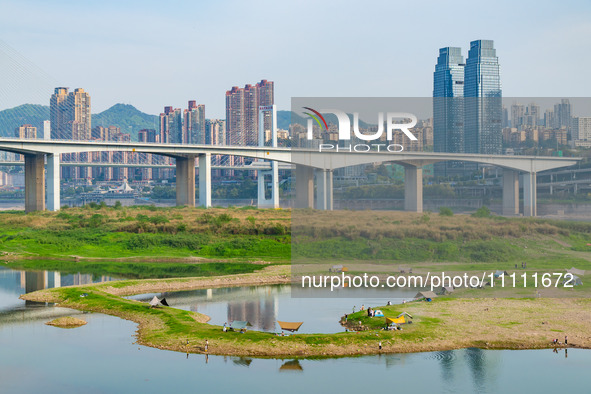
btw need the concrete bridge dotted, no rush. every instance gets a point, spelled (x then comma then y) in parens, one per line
(307, 162)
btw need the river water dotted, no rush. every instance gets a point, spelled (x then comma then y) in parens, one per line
(102, 357)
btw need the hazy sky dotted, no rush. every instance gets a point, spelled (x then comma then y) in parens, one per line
(155, 53)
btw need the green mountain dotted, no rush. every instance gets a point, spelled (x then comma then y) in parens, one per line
(285, 118)
(125, 116)
(12, 118)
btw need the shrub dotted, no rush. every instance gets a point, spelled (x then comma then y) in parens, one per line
(445, 211)
(159, 219)
(482, 212)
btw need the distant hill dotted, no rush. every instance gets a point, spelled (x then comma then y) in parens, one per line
(285, 118)
(12, 118)
(125, 116)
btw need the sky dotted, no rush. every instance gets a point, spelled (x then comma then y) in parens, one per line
(152, 53)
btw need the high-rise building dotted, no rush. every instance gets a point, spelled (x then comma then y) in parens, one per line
(70, 118)
(26, 131)
(448, 107)
(482, 100)
(78, 103)
(517, 115)
(562, 116)
(532, 115)
(215, 132)
(59, 114)
(194, 124)
(171, 126)
(581, 129)
(242, 112)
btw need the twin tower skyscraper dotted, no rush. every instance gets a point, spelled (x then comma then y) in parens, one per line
(467, 101)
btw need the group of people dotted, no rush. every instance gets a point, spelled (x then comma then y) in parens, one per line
(555, 342)
(523, 265)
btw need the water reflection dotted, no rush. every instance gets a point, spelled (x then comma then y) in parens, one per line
(263, 306)
(291, 366)
(13, 283)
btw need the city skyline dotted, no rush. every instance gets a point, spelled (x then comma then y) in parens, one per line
(137, 60)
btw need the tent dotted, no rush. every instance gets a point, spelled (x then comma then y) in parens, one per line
(239, 325)
(446, 290)
(378, 313)
(397, 320)
(500, 273)
(336, 268)
(427, 295)
(574, 281)
(156, 302)
(575, 271)
(405, 314)
(290, 326)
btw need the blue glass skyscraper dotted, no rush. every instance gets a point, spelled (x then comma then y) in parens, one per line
(483, 109)
(448, 107)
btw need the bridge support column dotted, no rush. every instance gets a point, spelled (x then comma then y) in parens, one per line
(185, 181)
(53, 182)
(413, 188)
(510, 192)
(304, 187)
(262, 200)
(324, 198)
(529, 194)
(205, 180)
(34, 182)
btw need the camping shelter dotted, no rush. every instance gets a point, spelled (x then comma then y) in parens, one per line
(446, 290)
(500, 273)
(397, 320)
(574, 281)
(427, 295)
(156, 302)
(576, 272)
(290, 326)
(378, 313)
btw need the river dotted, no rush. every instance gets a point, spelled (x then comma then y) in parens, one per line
(102, 357)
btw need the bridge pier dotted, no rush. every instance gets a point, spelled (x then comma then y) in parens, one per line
(53, 182)
(510, 192)
(273, 201)
(304, 187)
(185, 180)
(34, 182)
(413, 188)
(324, 199)
(529, 194)
(205, 180)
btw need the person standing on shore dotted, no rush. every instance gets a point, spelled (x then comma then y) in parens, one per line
(565, 340)
(206, 345)
(380, 345)
(353, 308)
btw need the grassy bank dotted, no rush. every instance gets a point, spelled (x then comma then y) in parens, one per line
(103, 232)
(440, 325)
